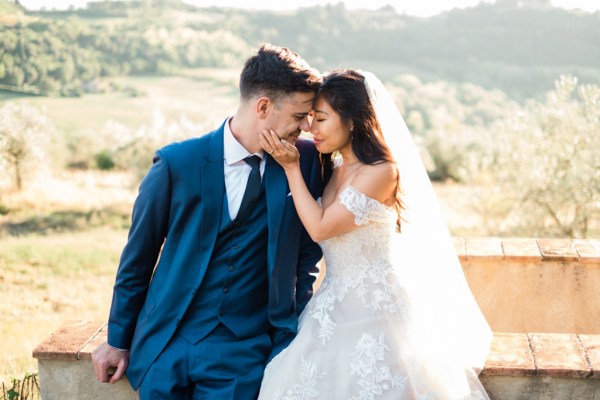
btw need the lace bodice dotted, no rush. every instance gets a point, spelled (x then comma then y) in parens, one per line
(359, 262)
(367, 245)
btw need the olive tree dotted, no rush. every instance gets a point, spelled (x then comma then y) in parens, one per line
(24, 135)
(544, 163)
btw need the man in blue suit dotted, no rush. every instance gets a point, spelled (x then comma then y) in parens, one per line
(217, 266)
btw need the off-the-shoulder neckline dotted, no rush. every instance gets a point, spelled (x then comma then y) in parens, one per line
(368, 197)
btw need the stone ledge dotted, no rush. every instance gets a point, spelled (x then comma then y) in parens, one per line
(528, 250)
(511, 354)
(545, 355)
(74, 340)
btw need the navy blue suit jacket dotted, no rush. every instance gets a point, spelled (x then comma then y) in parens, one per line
(175, 222)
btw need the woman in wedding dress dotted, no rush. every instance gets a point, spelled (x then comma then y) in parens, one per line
(394, 317)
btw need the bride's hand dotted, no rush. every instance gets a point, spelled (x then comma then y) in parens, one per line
(285, 153)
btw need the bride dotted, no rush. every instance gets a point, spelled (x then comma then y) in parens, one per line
(394, 317)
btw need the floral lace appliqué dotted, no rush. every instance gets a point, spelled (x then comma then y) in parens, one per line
(362, 206)
(306, 389)
(374, 376)
(358, 262)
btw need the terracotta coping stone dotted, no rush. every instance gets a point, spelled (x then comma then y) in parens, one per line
(591, 346)
(557, 250)
(510, 355)
(523, 250)
(588, 250)
(559, 355)
(68, 340)
(100, 337)
(484, 249)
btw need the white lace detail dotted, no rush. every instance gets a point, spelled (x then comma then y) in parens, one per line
(363, 207)
(358, 262)
(309, 377)
(374, 375)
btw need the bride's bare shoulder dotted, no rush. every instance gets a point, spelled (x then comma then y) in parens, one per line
(377, 181)
(381, 172)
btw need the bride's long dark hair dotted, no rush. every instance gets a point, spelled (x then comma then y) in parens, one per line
(344, 90)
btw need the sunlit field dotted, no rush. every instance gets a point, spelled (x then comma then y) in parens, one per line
(206, 96)
(59, 248)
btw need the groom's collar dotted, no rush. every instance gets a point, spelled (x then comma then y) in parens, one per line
(234, 151)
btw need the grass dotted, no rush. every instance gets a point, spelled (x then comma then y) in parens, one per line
(46, 280)
(205, 97)
(60, 244)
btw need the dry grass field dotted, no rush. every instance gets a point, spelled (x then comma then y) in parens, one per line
(59, 249)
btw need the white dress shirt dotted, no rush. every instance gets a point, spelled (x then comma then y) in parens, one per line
(236, 170)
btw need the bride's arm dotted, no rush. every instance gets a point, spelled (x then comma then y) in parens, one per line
(375, 181)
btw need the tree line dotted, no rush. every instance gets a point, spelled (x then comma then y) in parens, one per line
(519, 47)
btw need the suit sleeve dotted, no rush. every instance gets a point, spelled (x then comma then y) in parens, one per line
(148, 230)
(310, 253)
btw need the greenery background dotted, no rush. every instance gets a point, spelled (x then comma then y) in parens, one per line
(503, 100)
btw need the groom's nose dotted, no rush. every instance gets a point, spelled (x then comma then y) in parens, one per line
(305, 124)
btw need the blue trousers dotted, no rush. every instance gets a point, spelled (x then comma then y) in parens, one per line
(220, 366)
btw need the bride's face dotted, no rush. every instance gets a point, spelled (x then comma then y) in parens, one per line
(329, 132)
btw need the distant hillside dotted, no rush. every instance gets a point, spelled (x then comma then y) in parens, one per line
(517, 46)
(8, 7)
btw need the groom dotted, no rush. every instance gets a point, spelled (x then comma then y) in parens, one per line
(217, 265)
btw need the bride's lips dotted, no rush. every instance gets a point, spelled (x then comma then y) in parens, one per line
(317, 141)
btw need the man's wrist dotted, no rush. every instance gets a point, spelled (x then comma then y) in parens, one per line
(116, 348)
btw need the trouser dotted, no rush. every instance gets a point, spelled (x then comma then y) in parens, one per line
(220, 366)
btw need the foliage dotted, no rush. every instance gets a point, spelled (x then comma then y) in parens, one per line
(22, 389)
(65, 56)
(543, 163)
(119, 147)
(518, 47)
(24, 135)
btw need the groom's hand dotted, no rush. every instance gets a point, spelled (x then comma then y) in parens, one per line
(105, 359)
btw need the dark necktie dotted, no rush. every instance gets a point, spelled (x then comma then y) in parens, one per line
(252, 187)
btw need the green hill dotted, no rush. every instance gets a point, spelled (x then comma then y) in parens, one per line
(519, 47)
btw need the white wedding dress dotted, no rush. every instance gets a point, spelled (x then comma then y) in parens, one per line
(359, 337)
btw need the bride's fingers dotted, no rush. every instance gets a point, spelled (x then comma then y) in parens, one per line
(264, 143)
(268, 144)
(275, 141)
(288, 146)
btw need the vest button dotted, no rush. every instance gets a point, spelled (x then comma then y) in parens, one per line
(230, 268)
(226, 290)
(235, 246)
(221, 313)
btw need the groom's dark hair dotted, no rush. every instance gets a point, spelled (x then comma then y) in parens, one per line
(275, 72)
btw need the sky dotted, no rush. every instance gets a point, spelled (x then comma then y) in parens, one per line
(421, 8)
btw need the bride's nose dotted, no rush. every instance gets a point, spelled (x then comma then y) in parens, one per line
(313, 127)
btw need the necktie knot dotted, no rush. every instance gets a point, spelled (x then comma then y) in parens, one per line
(253, 161)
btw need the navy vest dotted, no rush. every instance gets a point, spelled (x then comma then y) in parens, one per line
(234, 290)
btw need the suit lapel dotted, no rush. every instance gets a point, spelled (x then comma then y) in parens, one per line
(276, 187)
(212, 188)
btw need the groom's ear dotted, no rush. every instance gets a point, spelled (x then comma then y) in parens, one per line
(263, 107)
